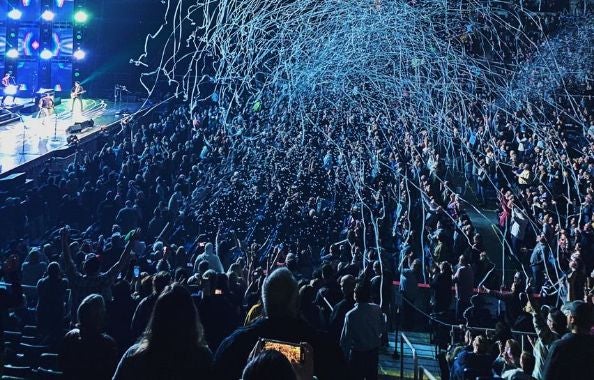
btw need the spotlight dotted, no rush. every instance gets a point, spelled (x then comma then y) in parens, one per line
(15, 14)
(12, 53)
(46, 54)
(81, 17)
(79, 54)
(48, 15)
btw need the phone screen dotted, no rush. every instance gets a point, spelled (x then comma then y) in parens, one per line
(291, 351)
(136, 271)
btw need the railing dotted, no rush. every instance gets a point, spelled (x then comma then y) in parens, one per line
(404, 339)
(425, 374)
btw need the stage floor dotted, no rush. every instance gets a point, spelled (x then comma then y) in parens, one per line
(33, 136)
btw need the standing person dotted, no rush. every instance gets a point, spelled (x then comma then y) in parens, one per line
(51, 291)
(441, 285)
(361, 335)
(172, 346)
(463, 282)
(46, 107)
(76, 96)
(9, 297)
(280, 298)
(571, 357)
(92, 280)
(548, 332)
(86, 352)
(347, 285)
(6, 82)
(409, 288)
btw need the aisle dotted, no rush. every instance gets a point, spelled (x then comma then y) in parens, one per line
(389, 368)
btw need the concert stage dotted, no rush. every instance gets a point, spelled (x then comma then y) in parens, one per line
(26, 136)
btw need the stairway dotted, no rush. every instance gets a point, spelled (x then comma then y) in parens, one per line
(389, 368)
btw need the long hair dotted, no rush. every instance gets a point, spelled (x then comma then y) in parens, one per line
(174, 330)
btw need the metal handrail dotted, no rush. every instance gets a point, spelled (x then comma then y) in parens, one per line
(424, 372)
(404, 339)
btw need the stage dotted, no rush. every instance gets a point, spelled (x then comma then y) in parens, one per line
(30, 136)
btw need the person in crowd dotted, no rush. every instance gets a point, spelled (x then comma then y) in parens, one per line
(280, 303)
(33, 268)
(548, 332)
(409, 288)
(209, 255)
(470, 364)
(571, 356)
(172, 346)
(347, 286)
(51, 304)
(361, 335)
(143, 311)
(92, 280)
(86, 352)
(10, 297)
(269, 365)
(441, 286)
(527, 362)
(216, 311)
(463, 282)
(509, 357)
(120, 310)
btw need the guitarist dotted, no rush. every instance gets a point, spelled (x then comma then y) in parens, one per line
(76, 95)
(7, 81)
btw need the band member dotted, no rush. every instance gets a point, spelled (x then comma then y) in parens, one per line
(46, 107)
(7, 81)
(76, 95)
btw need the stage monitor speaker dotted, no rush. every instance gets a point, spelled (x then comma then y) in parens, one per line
(77, 127)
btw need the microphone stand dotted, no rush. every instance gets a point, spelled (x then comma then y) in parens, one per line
(24, 129)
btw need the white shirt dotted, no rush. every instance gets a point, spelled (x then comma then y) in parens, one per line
(363, 327)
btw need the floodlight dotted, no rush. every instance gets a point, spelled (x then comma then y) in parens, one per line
(15, 14)
(79, 54)
(81, 17)
(48, 15)
(46, 54)
(12, 53)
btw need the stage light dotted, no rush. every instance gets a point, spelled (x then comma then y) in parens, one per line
(48, 15)
(46, 54)
(12, 53)
(81, 17)
(15, 14)
(79, 54)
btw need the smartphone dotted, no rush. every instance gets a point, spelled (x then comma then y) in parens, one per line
(136, 271)
(218, 291)
(295, 353)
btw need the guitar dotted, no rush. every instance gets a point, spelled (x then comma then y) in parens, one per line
(74, 95)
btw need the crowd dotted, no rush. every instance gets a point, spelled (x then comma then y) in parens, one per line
(190, 241)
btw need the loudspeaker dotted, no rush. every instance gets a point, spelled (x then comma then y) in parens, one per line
(77, 127)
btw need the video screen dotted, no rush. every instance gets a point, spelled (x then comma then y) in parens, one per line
(61, 76)
(62, 42)
(27, 75)
(28, 42)
(63, 10)
(2, 40)
(31, 10)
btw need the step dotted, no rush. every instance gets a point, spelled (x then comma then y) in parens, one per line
(389, 368)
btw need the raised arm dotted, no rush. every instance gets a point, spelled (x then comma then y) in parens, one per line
(124, 257)
(69, 267)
